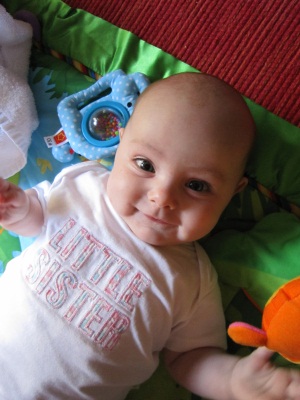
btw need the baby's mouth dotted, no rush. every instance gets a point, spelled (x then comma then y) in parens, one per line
(158, 220)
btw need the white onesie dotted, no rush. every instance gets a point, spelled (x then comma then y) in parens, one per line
(86, 309)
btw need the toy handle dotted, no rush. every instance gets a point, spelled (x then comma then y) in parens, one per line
(140, 80)
(77, 101)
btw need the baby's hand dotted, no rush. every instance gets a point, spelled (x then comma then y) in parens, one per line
(14, 204)
(254, 377)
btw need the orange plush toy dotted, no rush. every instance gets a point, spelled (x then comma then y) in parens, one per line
(280, 324)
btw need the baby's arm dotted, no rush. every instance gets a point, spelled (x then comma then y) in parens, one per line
(20, 211)
(214, 374)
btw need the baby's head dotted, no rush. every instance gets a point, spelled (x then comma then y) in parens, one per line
(181, 158)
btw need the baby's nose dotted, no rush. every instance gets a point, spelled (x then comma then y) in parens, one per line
(162, 196)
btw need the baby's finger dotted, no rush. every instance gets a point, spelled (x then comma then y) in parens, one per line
(261, 357)
(3, 183)
(10, 194)
(4, 187)
(293, 391)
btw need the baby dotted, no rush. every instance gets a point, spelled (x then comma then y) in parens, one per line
(116, 276)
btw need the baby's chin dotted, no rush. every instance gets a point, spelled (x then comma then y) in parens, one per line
(154, 238)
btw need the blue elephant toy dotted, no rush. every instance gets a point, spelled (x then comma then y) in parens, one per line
(91, 119)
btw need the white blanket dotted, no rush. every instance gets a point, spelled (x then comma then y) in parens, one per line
(18, 116)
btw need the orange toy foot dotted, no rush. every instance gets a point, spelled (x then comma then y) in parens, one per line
(280, 324)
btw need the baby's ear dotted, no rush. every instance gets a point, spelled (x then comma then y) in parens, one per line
(121, 132)
(241, 185)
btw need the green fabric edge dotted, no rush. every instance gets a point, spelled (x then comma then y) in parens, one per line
(95, 42)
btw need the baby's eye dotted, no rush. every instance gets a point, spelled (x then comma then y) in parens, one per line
(144, 164)
(198, 186)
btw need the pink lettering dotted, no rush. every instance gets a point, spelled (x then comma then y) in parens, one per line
(33, 271)
(114, 282)
(54, 267)
(85, 295)
(75, 287)
(56, 298)
(106, 261)
(86, 252)
(112, 330)
(58, 237)
(74, 242)
(134, 291)
(94, 317)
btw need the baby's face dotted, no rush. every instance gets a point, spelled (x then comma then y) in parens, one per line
(171, 179)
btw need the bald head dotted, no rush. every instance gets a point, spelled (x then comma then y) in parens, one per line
(203, 99)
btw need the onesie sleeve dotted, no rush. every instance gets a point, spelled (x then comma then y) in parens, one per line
(42, 190)
(205, 324)
(45, 188)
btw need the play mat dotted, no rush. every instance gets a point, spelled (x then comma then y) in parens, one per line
(255, 247)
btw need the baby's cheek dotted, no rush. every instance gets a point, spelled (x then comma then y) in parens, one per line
(197, 226)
